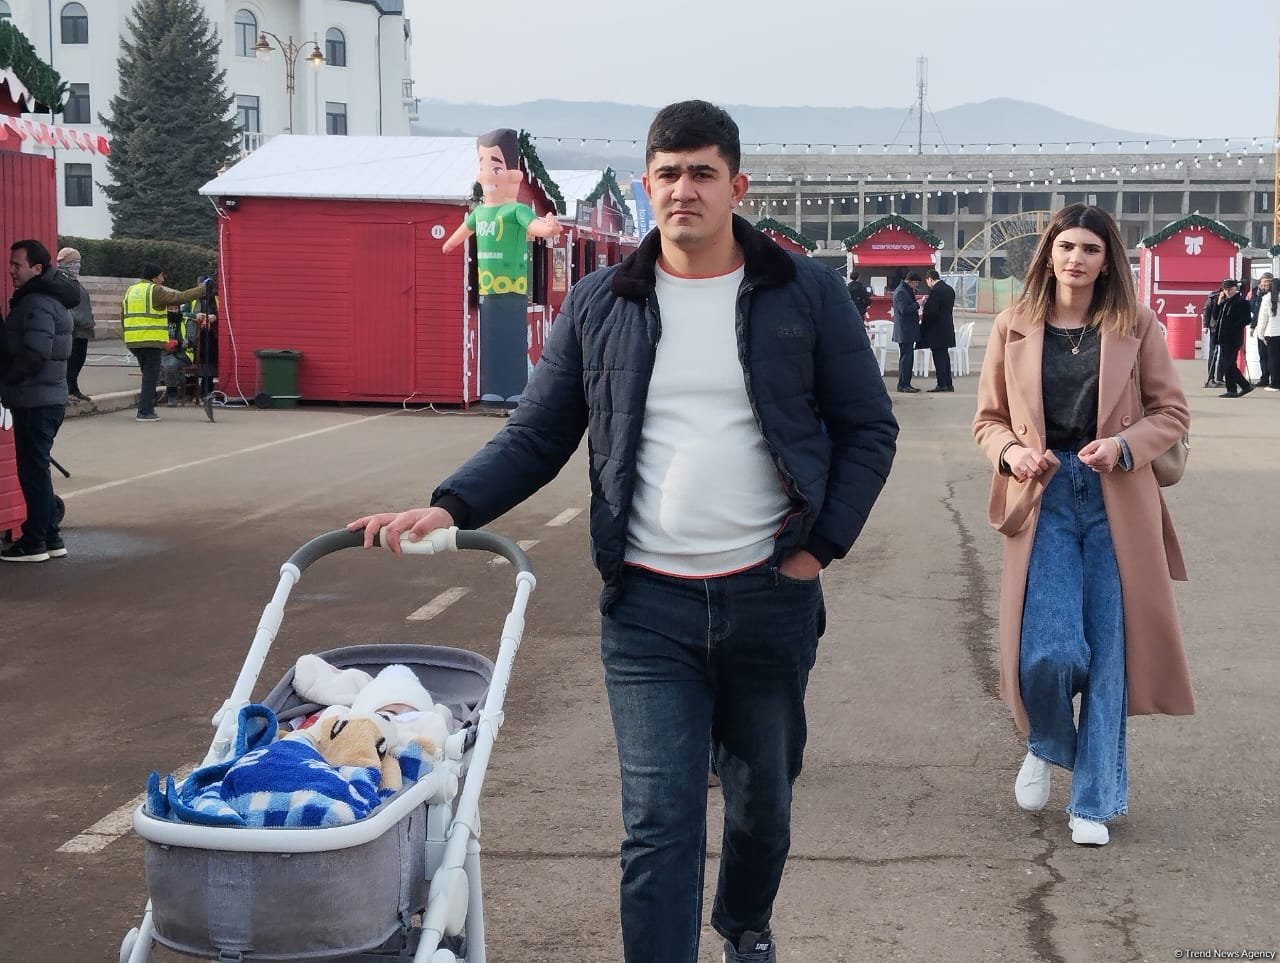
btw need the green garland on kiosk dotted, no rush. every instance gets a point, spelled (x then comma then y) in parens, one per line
(769, 224)
(45, 83)
(898, 221)
(539, 173)
(1199, 222)
(608, 185)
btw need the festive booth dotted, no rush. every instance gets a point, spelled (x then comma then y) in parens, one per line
(28, 199)
(787, 238)
(884, 252)
(374, 258)
(599, 226)
(1179, 267)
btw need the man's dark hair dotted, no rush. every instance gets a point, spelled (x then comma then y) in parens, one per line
(933, 275)
(507, 141)
(913, 276)
(37, 253)
(692, 124)
(853, 276)
(151, 271)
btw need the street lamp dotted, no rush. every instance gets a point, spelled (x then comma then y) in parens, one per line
(290, 50)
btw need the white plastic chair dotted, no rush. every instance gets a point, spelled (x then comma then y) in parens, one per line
(922, 362)
(881, 334)
(960, 353)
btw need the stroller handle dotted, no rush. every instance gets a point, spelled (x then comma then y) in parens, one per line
(441, 540)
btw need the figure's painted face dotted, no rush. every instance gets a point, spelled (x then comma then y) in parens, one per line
(500, 184)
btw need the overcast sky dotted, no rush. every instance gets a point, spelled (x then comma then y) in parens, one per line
(1182, 68)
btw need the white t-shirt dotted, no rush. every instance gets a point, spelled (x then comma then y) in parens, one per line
(708, 498)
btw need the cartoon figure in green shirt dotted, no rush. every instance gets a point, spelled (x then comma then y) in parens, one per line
(502, 227)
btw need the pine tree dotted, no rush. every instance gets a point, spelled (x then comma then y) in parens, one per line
(170, 124)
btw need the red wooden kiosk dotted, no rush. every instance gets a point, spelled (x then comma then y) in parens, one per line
(331, 246)
(1180, 266)
(28, 199)
(599, 230)
(885, 248)
(787, 238)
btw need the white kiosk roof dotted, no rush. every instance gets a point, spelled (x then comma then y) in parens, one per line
(353, 168)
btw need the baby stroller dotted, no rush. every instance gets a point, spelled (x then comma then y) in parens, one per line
(401, 884)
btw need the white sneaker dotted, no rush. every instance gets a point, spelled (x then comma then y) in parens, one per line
(1031, 788)
(1085, 832)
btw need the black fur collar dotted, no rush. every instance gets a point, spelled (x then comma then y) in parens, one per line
(767, 265)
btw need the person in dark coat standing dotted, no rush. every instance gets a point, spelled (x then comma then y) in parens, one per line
(860, 295)
(938, 327)
(1234, 318)
(906, 328)
(1209, 325)
(709, 353)
(34, 349)
(82, 318)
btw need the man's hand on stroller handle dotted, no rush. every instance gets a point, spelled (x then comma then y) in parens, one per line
(413, 524)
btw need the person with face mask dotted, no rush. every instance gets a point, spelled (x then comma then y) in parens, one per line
(82, 319)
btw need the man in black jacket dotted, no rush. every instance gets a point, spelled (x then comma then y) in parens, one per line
(1233, 318)
(1209, 326)
(739, 433)
(34, 350)
(938, 327)
(859, 294)
(906, 329)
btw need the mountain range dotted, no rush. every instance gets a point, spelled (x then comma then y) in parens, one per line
(589, 134)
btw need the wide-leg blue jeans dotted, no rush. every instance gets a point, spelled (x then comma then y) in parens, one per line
(1073, 644)
(698, 666)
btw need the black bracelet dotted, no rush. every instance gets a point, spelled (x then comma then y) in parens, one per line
(1001, 460)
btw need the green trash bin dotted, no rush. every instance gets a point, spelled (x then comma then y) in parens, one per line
(278, 377)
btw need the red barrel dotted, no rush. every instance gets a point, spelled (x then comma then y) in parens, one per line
(1184, 332)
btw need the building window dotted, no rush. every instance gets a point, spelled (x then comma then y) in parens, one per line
(335, 48)
(335, 118)
(75, 24)
(247, 117)
(77, 110)
(79, 185)
(5, 12)
(246, 33)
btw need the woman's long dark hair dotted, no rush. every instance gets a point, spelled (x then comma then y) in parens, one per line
(1114, 305)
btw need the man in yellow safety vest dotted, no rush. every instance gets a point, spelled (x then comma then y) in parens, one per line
(145, 321)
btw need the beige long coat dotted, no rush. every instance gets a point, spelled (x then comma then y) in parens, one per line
(1011, 408)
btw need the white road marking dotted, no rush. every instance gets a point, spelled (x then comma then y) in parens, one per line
(437, 604)
(212, 458)
(525, 544)
(564, 518)
(112, 826)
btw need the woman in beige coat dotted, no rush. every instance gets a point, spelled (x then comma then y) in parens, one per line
(1077, 397)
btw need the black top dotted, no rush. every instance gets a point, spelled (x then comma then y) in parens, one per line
(1069, 375)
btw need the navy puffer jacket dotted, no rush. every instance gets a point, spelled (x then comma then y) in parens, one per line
(812, 380)
(36, 342)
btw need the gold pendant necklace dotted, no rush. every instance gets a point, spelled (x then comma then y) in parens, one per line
(1074, 342)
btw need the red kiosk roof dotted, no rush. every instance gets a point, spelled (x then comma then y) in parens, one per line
(892, 247)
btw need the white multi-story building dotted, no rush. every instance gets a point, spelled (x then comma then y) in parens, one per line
(363, 86)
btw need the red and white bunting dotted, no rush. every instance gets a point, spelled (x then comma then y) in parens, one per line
(51, 135)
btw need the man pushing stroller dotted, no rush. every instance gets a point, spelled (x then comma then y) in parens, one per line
(708, 354)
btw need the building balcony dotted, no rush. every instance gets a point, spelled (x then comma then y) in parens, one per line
(251, 140)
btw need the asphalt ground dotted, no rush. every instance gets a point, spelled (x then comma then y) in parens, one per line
(907, 844)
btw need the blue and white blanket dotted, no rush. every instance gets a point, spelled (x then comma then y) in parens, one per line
(269, 783)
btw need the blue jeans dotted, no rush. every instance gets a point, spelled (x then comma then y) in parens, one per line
(33, 432)
(1073, 644)
(698, 666)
